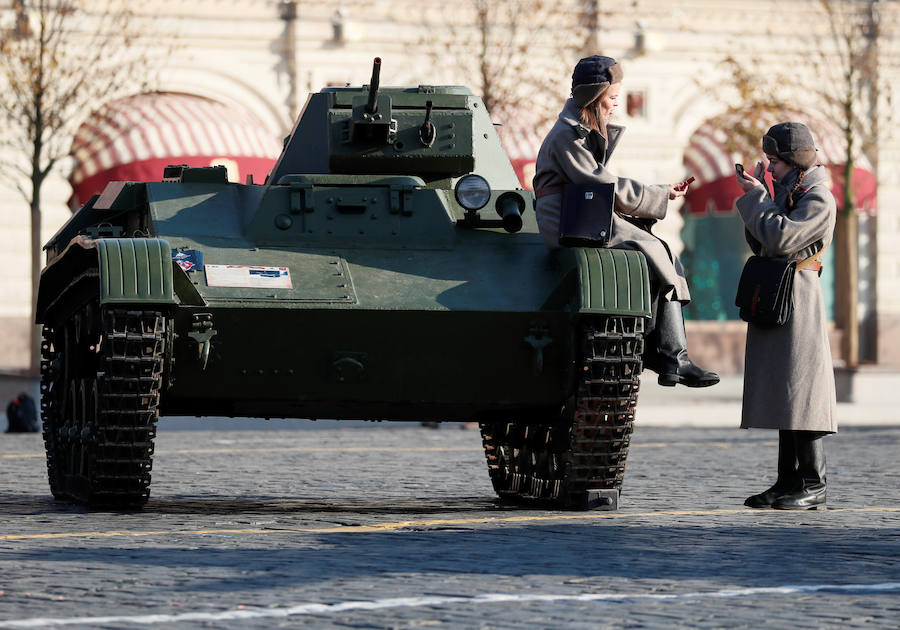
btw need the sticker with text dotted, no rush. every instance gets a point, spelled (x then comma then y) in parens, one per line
(251, 277)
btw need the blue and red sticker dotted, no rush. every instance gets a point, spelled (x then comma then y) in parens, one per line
(188, 259)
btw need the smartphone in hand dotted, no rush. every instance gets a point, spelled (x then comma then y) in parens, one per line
(684, 184)
(739, 169)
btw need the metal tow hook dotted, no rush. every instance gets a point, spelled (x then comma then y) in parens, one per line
(202, 331)
(538, 338)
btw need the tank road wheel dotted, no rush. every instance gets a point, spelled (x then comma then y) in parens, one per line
(565, 463)
(101, 374)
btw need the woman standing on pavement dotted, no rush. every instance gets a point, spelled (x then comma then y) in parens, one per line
(788, 373)
(577, 151)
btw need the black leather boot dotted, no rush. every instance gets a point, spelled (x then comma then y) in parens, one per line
(788, 480)
(811, 471)
(651, 357)
(675, 364)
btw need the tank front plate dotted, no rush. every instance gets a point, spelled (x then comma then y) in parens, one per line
(321, 278)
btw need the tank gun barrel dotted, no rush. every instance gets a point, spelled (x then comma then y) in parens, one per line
(371, 105)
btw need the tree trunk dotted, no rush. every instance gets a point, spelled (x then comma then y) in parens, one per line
(289, 15)
(846, 276)
(592, 18)
(36, 265)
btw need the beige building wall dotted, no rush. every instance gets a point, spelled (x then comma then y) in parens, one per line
(888, 247)
(248, 53)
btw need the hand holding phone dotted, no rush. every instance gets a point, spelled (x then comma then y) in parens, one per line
(744, 181)
(683, 185)
(760, 171)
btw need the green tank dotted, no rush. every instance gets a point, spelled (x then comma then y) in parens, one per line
(389, 268)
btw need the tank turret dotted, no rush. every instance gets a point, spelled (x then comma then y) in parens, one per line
(438, 134)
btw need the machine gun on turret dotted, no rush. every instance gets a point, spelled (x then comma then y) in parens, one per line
(371, 122)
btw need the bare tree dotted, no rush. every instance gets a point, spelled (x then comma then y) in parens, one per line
(840, 81)
(517, 54)
(760, 103)
(856, 30)
(59, 60)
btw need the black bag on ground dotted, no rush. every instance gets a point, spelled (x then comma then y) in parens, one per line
(765, 292)
(21, 415)
(585, 219)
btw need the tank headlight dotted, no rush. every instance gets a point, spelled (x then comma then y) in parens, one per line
(473, 192)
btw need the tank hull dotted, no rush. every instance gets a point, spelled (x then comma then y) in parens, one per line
(370, 365)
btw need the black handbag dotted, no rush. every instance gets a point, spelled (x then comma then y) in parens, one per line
(765, 292)
(585, 218)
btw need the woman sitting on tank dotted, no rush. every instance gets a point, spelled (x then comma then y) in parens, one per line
(576, 151)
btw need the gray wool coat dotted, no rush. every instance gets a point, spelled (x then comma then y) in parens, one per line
(572, 153)
(788, 371)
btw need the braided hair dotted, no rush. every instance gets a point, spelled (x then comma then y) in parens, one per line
(795, 188)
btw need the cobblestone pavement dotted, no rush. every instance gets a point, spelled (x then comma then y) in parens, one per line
(386, 527)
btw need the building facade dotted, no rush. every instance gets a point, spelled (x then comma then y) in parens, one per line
(258, 60)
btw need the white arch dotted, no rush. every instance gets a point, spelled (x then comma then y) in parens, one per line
(227, 88)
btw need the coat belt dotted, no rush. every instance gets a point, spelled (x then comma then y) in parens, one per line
(813, 265)
(548, 190)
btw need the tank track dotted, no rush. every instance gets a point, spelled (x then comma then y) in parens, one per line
(49, 422)
(101, 375)
(560, 463)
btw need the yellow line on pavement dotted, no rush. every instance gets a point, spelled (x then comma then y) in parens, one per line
(365, 449)
(321, 449)
(287, 449)
(398, 525)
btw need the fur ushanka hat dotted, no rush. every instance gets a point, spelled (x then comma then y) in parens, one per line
(591, 76)
(792, 142)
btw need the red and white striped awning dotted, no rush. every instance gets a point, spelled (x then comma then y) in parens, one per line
(521, 134)
(708, 160)
(134, 138)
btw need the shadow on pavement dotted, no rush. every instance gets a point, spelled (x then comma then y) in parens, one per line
(817, 553)
(236, 506)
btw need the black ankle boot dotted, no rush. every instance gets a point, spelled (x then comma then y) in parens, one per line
(675, 366)
(811, 471)
(788, 480)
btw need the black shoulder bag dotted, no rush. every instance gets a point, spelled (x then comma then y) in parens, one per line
(765, 292)
(586, 215)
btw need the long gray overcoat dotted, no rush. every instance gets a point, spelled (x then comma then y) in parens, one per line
(788, 372)
(572, 153)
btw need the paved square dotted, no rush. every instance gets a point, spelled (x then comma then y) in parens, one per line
(396, 527)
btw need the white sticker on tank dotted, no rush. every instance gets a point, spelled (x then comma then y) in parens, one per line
(248, 276)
